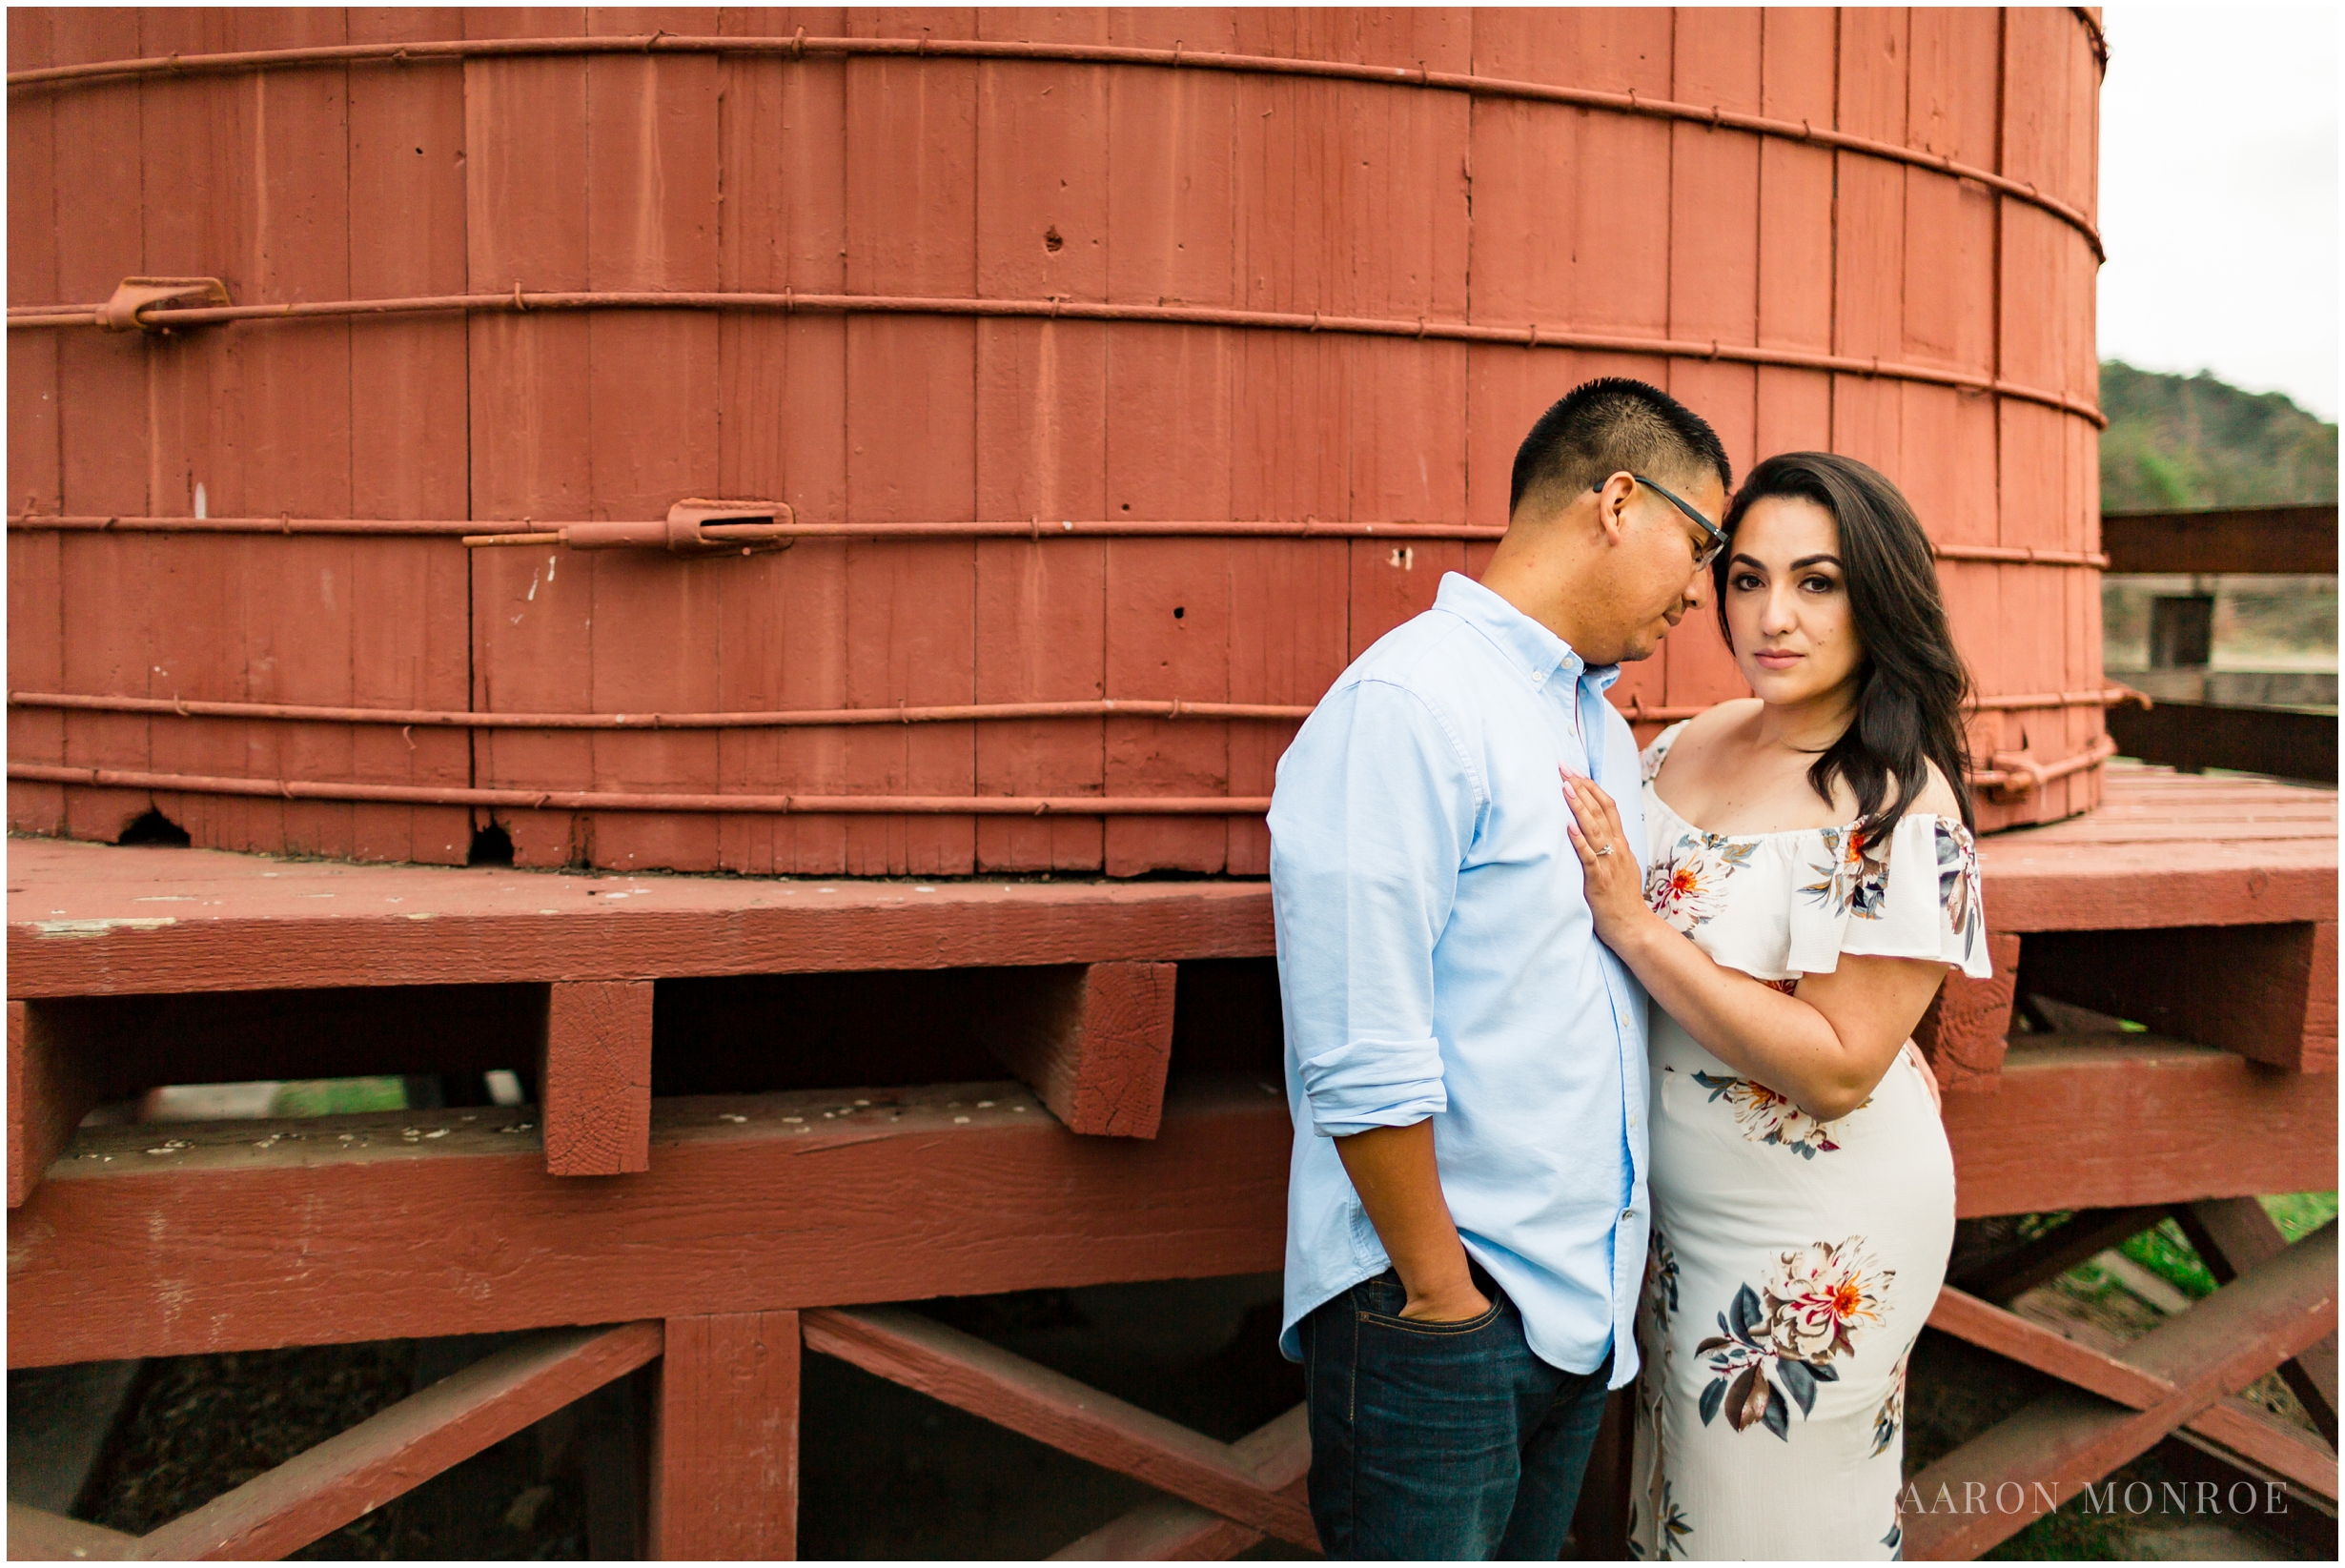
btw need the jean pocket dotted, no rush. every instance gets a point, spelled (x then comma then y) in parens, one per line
(1438, 1330)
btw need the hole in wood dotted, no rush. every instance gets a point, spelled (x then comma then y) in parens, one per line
(152, 826)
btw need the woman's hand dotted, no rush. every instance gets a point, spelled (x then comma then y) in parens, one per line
(1614, 877)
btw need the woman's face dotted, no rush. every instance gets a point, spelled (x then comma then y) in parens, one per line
(1787, 603)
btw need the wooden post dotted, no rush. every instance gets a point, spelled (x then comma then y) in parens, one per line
(1093, 1040)
(50, 1087)
(1965, 1030)
(595, 1078)
(724, 1455)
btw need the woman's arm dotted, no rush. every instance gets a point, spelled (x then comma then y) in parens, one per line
(1826, 1048)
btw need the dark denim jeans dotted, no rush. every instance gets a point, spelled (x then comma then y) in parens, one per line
(1441, 1442)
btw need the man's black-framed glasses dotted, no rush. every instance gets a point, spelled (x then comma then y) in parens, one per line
(1711, 530)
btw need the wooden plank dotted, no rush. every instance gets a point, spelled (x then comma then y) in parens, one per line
(2258, 991)
(1093, 1040)
(2071, 1437)
(971, 1375)
(2198, 735)
(2245, 1428)
(411, 619)
(1989, 1326)
(98, 920)
(2084, 1124)
(2233, 1235)
(2091, 1232)
(53, 1083)
(1167, 1529)
(530, 380)
(753, 1204)
(595, 1078)
(400, 1448)
(724, 1454)
(2263, 1439)
(2262, 540)
(1964, 1033)
(37, 1536)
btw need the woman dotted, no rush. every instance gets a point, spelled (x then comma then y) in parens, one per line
(1813, 843)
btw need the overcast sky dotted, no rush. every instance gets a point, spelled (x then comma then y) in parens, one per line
(2218, 194)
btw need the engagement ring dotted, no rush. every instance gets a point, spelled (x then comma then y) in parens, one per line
(1604, 849)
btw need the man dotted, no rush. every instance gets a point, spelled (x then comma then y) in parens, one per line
(1466, 1213)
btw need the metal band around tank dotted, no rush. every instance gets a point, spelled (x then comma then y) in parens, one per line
(1175, 710)
(789, 301)
(800, 46)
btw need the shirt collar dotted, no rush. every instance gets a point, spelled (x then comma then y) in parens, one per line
(1539, 651)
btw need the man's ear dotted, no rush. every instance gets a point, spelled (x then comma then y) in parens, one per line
(1612, 499)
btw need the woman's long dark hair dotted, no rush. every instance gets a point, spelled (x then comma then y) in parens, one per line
(1911, 682)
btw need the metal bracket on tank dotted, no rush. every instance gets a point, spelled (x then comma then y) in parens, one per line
(133, 295)
(693, 527)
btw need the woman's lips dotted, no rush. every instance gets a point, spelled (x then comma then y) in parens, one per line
(1778, 658)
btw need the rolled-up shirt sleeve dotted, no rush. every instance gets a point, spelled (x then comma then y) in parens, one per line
(1373, 807)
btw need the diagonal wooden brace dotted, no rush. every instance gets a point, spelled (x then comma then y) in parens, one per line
(2233, 1235)
(395, 1449)
(1166, 1529)
(984, 1379)
(1956, 1508)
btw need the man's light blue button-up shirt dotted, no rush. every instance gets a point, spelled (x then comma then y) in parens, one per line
(1437, 958)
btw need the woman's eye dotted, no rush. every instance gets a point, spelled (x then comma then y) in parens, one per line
(1746, 581)
(1820, 585)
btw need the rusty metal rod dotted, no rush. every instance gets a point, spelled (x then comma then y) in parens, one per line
(2013, 772)
(798, 46)
(805, 717)
(1634, 711)
(997, 528)
(538, 532)
(791, 303)
(602, 800)
(2017, 773)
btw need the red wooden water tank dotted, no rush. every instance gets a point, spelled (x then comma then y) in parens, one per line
(1026, 287)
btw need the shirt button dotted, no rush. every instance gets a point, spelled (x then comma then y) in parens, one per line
(1627, 1214)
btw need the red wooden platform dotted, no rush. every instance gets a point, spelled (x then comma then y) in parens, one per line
(744, 1213)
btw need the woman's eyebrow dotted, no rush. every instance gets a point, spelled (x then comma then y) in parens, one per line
(1752, 561)
(1811, 561)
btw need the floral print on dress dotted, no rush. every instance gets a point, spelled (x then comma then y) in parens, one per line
(1958, 880)
(1661, 1279)
(1892, 1410)
(1774, 1347)
(1686, 886)
(1856, 878)
(1767, 1116)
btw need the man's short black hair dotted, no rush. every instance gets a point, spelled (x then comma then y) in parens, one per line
(1610, 425)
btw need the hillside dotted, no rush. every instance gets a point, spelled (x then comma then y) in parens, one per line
(2177, 441)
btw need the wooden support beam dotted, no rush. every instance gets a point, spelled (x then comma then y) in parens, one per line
(595, 1077)
(2233, 1235)
(53, 1084)
(1988, 1327)
(2247, 1429)
(2111, 1121)
(2281, 742)
(398, 1449)
(2090, 1232)
(1168, 1530)
(1957, 1509)
(1093, 1040)
(984, 1379)
(233, 1241)
(2270, 541)
(37, 1536)
(1964, 1033)
(2267, 992)
(724, 1451)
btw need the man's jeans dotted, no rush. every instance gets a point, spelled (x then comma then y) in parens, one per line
(1442, 1441)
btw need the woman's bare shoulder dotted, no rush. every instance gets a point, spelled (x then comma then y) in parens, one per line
(1937, 797)
(1719, 719)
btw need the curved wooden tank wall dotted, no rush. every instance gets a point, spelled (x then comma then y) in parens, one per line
(963, 178)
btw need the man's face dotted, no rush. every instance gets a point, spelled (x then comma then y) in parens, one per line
(1658, 576)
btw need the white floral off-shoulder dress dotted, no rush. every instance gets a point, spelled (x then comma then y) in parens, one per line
(1793, 1261)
